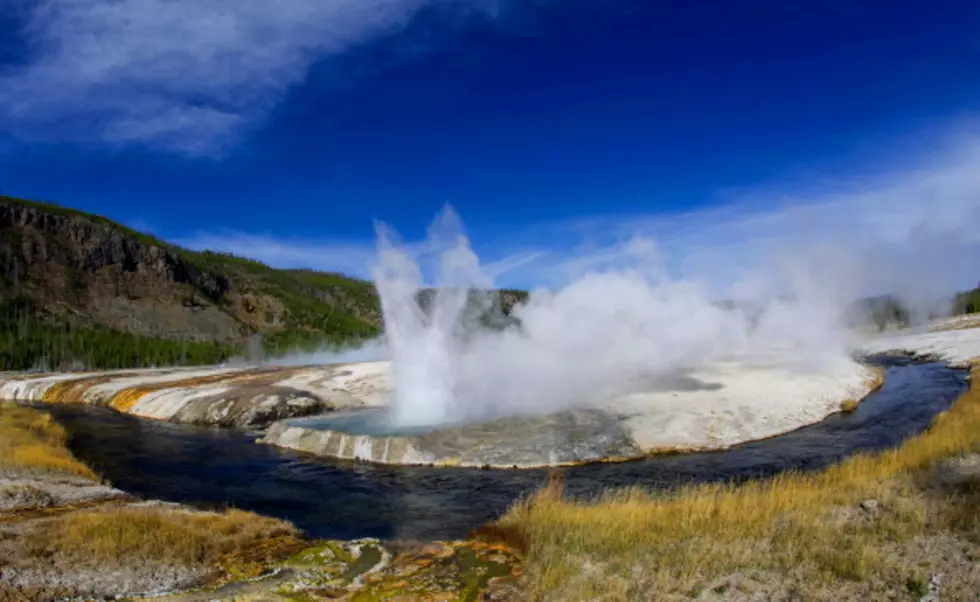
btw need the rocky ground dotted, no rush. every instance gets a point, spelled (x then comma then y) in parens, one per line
(314, 570)
(371, 570)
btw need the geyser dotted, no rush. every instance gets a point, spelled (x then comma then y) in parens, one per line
(605, 335)
(425, 345)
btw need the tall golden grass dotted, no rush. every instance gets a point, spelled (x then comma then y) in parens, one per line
(672, 542)
(32, 442)
(232, 539)
(232, 542)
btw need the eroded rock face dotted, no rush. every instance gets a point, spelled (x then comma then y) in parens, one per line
(564, 438)
(120, 279)
(221, 396)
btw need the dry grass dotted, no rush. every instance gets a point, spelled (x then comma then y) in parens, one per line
(112, 536)
(32, 442)
(631, 543)
(239, 542)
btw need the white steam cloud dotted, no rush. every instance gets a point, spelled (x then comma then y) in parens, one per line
(631, 316)
(607, 333)
(369, 351)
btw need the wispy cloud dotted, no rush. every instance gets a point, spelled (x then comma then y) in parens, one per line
(913, 224)
(352, 258)
(911, 231)
(186, 75)
(507, 264)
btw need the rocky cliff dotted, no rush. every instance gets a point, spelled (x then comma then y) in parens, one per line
(70, 270)
(90, 269)
(72, 281)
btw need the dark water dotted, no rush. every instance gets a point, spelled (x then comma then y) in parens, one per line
(208, 467)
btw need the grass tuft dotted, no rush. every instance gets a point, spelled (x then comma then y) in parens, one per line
(792, 523)
(32, 442)
(238, 542)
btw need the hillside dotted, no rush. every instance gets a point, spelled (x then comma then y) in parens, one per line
(76, 287)
(79, 290)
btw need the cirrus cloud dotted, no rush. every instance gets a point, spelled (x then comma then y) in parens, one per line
(186, 75)
(910, 231)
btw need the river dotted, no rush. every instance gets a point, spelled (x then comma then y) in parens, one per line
(211, 467)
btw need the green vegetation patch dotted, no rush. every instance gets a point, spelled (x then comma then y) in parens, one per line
(31, 339)
(364, 571)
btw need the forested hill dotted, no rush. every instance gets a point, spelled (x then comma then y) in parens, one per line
(77, 289)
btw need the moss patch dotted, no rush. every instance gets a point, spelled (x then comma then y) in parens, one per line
(365, 571)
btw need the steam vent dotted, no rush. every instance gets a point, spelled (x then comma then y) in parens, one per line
(717, 407)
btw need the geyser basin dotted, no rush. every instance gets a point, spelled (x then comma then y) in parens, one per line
(717, 406)
(571, 437)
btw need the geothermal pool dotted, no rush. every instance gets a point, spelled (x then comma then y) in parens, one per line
(207, 466)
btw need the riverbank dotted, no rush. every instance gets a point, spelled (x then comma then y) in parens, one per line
(902, 524)
(64, 534)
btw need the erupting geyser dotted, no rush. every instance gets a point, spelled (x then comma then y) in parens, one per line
(425, 345)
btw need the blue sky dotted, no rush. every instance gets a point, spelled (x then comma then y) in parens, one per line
(560, 130)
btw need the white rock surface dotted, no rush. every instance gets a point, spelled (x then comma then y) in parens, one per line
(368, 383)
(954, 346)
(738, 402)
(210, 394)
(29, 387)
(103, 392)
(715, 407)
(165, 403)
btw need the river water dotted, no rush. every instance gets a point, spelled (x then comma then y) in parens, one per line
(211, 467)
